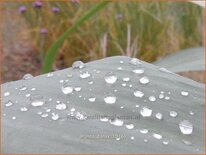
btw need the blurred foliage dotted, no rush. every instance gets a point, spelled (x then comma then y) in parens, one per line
(147, 30)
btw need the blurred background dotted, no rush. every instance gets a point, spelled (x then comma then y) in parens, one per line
(146, 30)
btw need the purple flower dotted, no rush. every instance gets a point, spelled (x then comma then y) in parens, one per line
(37, 4)
(22, 9)
(43, 31)
(55, 9)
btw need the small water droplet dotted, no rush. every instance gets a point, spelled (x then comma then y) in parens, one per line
(129, 126)
(28, 95)
(144, 131)
(173, 114)
(61, 106)
(80, 116)
(126, 79)
(37, 100)
(137, 105)
(22, 88)
(138, 71)
(104, 119)
(146, 112)
(138, 93)
(135, 61)
(77, 89)
(49, 75)
(9, 103)
(14, 118)
(146, 140)
(164, 70)
(116, 122)
(78, 65)
(157, 135)
(27, 77)
(186, 127)
(85, 75)
(187, 142)
(159, 116)
(165, 142)
(119, 68)
(44, 115)
(110, 78)
(124, 84)
(121, 62)
(110, 98)
(184, 93)
(122, 107)
(167, 98)
(91, 82)
(24, 109)
(92, 99)
(6, 94)
(144, 80)
(152, 98)
(161, 96)
(191, 112)
(132, 138)
(55, 116)
(33, 89)
(66, 88)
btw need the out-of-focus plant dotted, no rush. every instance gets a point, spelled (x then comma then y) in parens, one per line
(161, 28)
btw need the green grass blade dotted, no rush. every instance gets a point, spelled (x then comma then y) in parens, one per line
(53, 50)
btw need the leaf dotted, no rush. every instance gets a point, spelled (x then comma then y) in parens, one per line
(53, 50)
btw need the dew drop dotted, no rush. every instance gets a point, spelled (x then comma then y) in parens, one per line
(80, 116)
(66, 88)
(44, 115)
(159, 116)
(9, 103)
(6, 94)
(124, 84)
(33, 89)
(161, 96)
(27, 77)
(191, 112)
(146, 140)
(104, 119)
(135, 61)
(121, 62)
(92, 99)
(49, 75)
(22, 88)
(138, 71)
(126, 79)
(28, 95)
(144, 80)
(146, 112)
(184, 93)
(85, 75)
(132, 138)
(37, 100)
(165, 142)
(55, 116)
(144, 131)
(110, 99)
(61, 106)
(119, 68)
(164, 70)
(138, 94)
(24, 109)
(14, 118)
(173, 114)
(129, 126)
(77, 89)
(116, 122)
(157, 135)
(78, 65)
(152, 98)
(186, 127)
(110, 78)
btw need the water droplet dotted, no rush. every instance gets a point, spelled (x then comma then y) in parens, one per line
(8, 104)
(110, 78)
(27, 77)
(61, 106)
(78, 65)
(164, 70)
(157, 135)
(146, 140)
(129, 126)
(116, 122)
(119, 68)
(138, 93)
(48, 110)
(152, 98)
(144, 80)
(37, 100)
(121, 62)
(28, 95)
(161, 96)
(104, 119)
(6, 94)
(80, 116)
(165, 142)
(135, 61)
(146, 112)
(44, 115)
(77, 89)
(66, 88)
(22, 88)
(72, 109)
(124, 84)
(130, 85)
(92, 99)
(173, 114)
(184, 93)
(187, 142)
(49, 75)
(167, 98)
(110, 99)
(91, 82)
(85, 75)
(118, 138)
(132, 138)
(61, 81)
(186, 127)
(14, 118)
(55, 116)
(122, 107)
(126, 79)
(24, 109)
(138, 71)
(144, 131)
(191, 112)
(137, 105)
(159, 116)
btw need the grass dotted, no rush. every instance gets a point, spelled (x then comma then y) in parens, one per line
(141, 29)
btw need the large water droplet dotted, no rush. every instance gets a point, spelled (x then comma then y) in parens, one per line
(37, 100)
(6, 94)
(55, 116)
(27, 77)
(66, 88)
(116, 122)
(85, 75)
(146, 112)
(9, 103)
(110, 99)
(186, 127)
(138, 93)
(129, 126)
(184, 93)
(78, 65)
(144, 80)
(110, 78)
(173, 114)
(61, 106)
